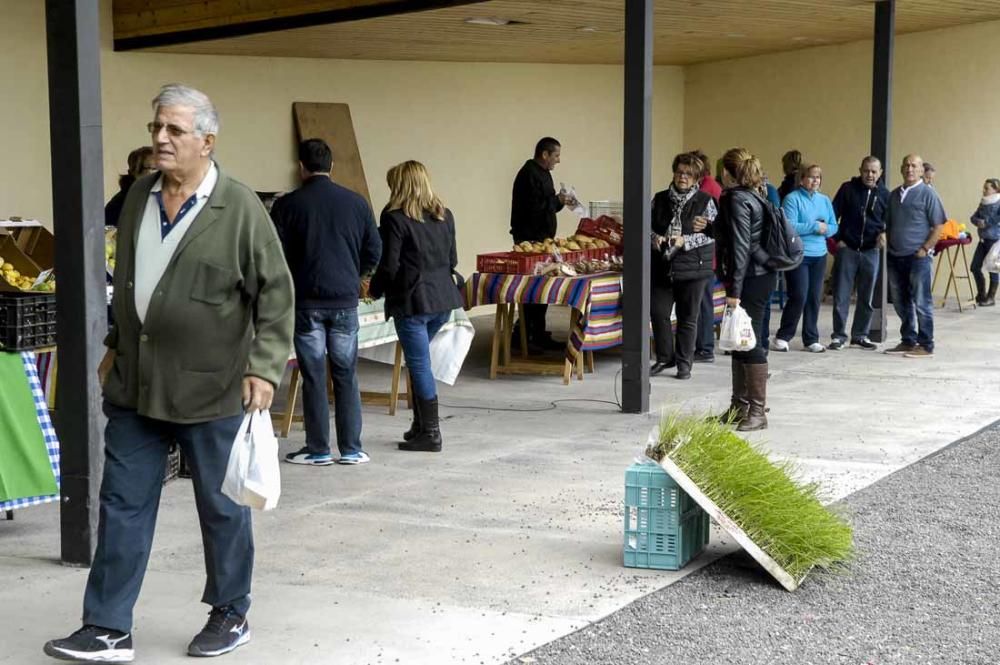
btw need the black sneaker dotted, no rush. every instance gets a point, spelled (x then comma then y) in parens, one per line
(226, 629)
(836, 345)
(864, 343)
(704, 357)
(93, 644)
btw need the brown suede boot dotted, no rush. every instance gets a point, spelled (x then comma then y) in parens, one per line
(756, 394)
(737, 410)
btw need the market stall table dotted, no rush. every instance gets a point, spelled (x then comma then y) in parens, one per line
(949, 252)
(595, 318)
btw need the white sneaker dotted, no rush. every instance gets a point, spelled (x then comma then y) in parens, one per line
(779, 344)
(816, 347)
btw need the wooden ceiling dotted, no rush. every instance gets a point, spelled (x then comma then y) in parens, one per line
(545, 31)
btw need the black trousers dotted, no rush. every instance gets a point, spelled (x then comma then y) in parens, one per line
(706, 321)
(755, 300)
(534, 320)
(687, 296)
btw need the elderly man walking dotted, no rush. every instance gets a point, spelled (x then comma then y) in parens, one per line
(860, 205)
(913, 225)
(203, 309)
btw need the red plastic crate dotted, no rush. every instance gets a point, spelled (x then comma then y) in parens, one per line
(523, 263)
(604, 227)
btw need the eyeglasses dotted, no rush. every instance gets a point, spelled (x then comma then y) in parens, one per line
(683, 174)
(173, 130)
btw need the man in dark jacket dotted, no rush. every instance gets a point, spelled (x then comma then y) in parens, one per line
(533, 207)
(860, 206)
(330, 240)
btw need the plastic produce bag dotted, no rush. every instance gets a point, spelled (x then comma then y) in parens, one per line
(252, 475)
(575, 206)
(992, 261)
(736, 333)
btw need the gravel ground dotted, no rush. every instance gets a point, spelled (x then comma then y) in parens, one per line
(924, 587)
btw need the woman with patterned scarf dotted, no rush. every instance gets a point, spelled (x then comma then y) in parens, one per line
(681, 264)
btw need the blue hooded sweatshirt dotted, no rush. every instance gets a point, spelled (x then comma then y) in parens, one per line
(804, 210)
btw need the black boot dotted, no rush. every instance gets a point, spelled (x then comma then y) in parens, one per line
(737, 410)
(980, 287)
(414, 430)
(429, 438)
(756, 394)
(989, 300)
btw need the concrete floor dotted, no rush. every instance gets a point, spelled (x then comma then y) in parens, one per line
(511, 537)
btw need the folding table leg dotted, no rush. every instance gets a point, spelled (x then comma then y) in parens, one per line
(497, 333)
(285, 421)
(394, 387)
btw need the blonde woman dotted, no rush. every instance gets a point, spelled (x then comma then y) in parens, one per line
(415, 277)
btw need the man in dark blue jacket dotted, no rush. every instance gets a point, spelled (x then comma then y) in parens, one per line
(860, 205)
(331, 242)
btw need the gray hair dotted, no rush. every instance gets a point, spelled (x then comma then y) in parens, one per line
(206, 118)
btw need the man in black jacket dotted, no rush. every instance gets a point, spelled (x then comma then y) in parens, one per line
(860, 205)
(533, 207)
(330, 240)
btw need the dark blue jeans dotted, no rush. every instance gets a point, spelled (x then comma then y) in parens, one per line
(415, 334)
(135, 457)
(705, 345)
(323, 335)
(910, 286)
(805, 292)
(850, 268)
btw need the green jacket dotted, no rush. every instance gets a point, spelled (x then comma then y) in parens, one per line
(224, 309)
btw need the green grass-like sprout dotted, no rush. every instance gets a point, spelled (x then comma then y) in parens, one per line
(783, 517)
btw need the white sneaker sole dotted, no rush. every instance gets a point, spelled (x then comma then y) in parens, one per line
(106, 656)
(354, 462)
(244, 638)
(307, 462)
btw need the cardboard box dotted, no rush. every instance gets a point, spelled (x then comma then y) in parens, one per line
(14, 255)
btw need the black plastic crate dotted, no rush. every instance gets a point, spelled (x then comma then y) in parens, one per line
(27, 320)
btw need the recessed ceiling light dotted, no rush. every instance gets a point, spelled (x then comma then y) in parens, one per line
(588, 28)
(488, 20)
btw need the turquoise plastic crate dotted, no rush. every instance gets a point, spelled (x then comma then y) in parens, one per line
(664, 527)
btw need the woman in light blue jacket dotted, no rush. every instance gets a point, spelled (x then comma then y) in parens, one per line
(811, 213)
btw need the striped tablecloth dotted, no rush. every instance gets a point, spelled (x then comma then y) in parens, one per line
(598, 298)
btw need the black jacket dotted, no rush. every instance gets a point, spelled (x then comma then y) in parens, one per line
(418, 258)
(533, 204)
(684, 266)
(737, 236)
(113, 208)
(861, 212)
(788, 185)
(330, 240)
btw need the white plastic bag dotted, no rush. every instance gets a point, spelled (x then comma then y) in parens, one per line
(992, 261)
(576, 207)
(736, 333)
(252, 475)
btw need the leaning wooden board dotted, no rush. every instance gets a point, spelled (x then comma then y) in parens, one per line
(333, 124)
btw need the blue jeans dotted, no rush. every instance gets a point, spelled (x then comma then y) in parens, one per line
(321, 335)
(415, 334)
(910, 286)
(135, 459)
(852, 268)
(805, 292)
(705, 345)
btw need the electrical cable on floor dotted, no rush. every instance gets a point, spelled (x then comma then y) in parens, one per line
(554, 404)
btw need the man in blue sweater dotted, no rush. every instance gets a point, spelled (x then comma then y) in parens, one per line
(330, 240)
(860, 205)
(913, 225)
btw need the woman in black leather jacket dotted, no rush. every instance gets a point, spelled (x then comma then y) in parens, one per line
(419, 256)
(749, 284)
(681, 264)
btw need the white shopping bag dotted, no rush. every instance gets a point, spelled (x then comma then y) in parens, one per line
(992, 261)
(736, 333)
(252, 475)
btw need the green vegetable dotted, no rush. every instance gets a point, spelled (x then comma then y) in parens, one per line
(784, 518)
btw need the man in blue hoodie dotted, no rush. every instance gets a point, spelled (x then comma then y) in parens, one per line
(860, 205)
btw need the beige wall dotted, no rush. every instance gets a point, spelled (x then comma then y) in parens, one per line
(472, 125)
(819, 101)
